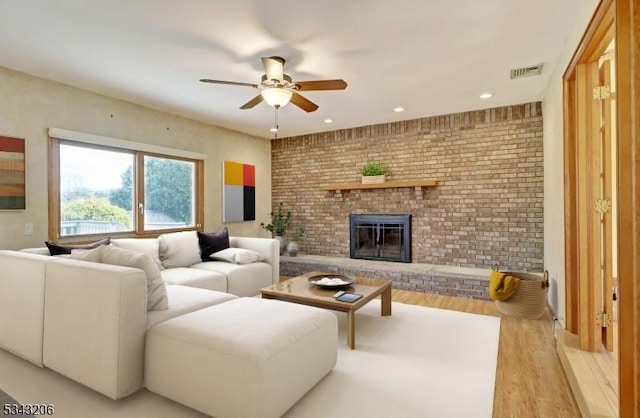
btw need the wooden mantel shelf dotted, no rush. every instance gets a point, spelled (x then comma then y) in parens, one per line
(417, 184)
(385, 185)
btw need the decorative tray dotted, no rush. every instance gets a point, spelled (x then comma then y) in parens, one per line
(331, 280)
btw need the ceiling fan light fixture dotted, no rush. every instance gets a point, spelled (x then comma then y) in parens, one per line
(276, 96)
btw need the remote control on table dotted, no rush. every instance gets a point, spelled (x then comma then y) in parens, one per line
(338, 294)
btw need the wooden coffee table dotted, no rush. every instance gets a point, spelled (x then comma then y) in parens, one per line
(299, 290)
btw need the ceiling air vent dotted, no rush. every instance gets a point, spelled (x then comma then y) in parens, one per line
(526, 71)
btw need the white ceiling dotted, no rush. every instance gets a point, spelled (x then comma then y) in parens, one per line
(432, 57)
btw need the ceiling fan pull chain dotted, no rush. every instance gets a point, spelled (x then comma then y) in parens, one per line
(275, 134)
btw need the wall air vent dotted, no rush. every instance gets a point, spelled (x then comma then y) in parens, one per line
(526, 71)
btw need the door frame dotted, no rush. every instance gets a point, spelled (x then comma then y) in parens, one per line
(625, 16)
(582, 181)
(628, 128)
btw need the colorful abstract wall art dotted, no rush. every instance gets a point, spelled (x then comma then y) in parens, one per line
(12, 173)
(239, 192)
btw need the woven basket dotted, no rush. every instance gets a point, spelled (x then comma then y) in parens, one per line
(530, 298)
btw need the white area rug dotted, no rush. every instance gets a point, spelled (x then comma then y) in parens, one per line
(419, 362)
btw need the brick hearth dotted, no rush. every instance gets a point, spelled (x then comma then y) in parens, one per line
(427, 278)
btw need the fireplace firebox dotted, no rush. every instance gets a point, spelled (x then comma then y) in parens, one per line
(380, 237)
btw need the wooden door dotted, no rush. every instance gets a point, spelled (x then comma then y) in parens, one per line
(606, 204)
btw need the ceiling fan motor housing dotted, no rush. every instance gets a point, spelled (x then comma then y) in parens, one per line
(286, 82)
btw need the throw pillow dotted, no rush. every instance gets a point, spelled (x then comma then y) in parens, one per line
(179, 249)
(149, 246)
(212, 242)
(55, 249)
(156, 291)
(238, 256)
(87, 255)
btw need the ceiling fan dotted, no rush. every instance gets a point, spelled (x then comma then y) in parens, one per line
(279, 88)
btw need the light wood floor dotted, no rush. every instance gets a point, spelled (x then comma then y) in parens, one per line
(530, 381)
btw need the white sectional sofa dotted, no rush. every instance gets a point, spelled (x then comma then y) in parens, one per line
(179, 258)
(90, 322)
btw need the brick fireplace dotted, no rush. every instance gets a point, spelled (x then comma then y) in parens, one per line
(486, 207)
(380, 237)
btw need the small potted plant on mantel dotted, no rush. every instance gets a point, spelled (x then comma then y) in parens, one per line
(279, 225)
(373, 173)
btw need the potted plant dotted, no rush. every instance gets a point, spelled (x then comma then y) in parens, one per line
(373, 173)
(293, 246)
(279, 225)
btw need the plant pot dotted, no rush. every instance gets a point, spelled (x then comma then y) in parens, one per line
(292, 248)
(283, 244)
(373, 179)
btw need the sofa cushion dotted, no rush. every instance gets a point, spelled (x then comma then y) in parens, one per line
(204, 279)
(237, 256)
(248, 357)
(212, 242)
(184, 299)
(56, 249)
(242, 280)
(179, 249)
(149, 246)
(22, 300)
(156, 292)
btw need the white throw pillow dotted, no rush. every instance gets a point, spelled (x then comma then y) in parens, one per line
(179, 249)
(238, 256)
(156, 291)
(87, 255)
(149, 246)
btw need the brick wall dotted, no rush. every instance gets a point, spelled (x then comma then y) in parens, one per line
(486, 209)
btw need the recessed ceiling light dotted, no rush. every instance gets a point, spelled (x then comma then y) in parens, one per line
(486, 95)
(328, 120)
(398, 109)
(274, 129)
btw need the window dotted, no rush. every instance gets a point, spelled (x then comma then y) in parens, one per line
(169, 193)
(99, 190)
(96, 190)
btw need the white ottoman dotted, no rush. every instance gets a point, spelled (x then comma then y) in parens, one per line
(248, 357)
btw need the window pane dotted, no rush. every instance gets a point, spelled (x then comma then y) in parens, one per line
(169, 199)
(96, 190)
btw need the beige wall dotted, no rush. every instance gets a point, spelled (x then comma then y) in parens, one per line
(31, 105)
(554, 165)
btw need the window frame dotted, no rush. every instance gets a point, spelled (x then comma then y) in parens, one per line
(54, 230)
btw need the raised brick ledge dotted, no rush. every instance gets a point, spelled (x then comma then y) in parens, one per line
(428, 278)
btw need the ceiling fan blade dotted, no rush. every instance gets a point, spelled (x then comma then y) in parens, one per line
(303, 103)
(231, 83)
(321, 85)
(251, 103)
(274, 68)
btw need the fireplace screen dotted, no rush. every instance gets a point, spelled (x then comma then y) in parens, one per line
(381, 237)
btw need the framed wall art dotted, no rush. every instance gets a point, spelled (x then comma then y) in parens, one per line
(12, 173)
(239, 192)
